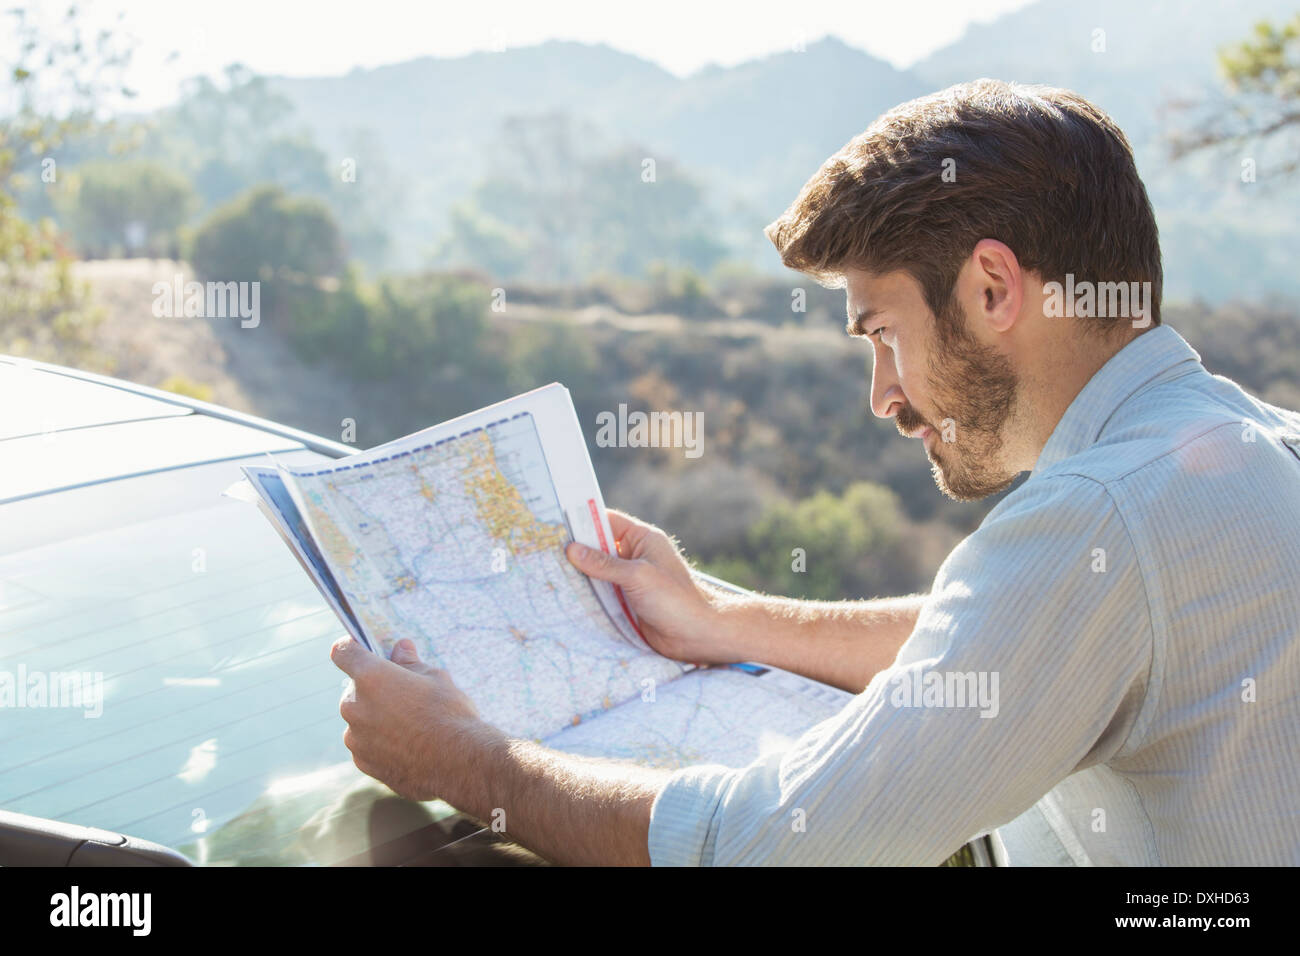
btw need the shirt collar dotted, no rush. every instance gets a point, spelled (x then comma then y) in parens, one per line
(1149, 356)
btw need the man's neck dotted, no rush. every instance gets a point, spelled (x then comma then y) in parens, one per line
(1047, 391)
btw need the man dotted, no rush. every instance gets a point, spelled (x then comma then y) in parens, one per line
(1133, 604)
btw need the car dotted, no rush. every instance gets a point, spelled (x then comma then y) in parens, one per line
(166, 695)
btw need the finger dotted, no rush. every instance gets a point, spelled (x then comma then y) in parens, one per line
(404, 653)
(351, 658)
(598, 564)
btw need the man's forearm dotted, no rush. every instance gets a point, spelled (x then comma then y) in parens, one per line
(842, 643)
(567, 809)
(585, 811)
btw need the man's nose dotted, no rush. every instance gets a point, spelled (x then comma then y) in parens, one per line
(886, 393)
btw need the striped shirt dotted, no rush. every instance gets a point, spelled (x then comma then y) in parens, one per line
(1105, 671)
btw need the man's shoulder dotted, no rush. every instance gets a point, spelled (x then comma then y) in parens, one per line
(1042, 535)
(1193, 425)
(1064, 498)
(1055, 557)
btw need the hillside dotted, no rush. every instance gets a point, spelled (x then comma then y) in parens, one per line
(753, 133)
(786, 425)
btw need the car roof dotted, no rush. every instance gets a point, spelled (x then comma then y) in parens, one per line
(62, 429)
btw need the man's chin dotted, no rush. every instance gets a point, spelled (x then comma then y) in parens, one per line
(962, 487)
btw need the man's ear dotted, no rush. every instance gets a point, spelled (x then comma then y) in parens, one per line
(994, 286)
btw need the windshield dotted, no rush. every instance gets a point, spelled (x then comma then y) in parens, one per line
(165, 673)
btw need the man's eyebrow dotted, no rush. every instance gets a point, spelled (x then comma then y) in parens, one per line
(857, 325)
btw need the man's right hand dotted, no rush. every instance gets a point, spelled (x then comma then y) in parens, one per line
(677, 616)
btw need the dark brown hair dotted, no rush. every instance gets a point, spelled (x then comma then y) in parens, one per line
(1038, 168)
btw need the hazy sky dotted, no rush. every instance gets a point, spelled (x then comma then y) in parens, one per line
(329, 37)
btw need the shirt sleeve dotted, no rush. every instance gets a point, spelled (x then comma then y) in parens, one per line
(1029, 661)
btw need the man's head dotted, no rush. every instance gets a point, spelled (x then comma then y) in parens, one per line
(947, 222)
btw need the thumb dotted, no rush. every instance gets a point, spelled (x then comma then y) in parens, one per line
(351, 658)
(599, 564)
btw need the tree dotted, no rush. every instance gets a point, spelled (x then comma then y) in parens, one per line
(134, 207)
(227, 119)
(1262, 76)
(827, 547)
(267, 235)
(542, 352)
(239, 132)
(479, 239)
(681, 291)
(425, 322)
(59, 78)
(558, 205)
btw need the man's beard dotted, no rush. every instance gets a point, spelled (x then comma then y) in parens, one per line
(975, 387)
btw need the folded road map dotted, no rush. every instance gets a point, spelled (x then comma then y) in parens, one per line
(454, 537)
